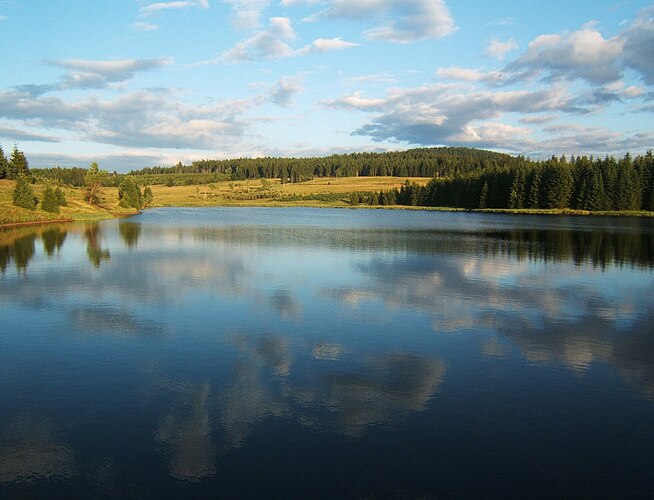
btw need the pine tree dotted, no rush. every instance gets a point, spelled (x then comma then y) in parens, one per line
(4, 164)
(517, 193)
(18, 164)
(24, 194)
(534, 191)
(61, 197)
(49, 203)
(558, 185)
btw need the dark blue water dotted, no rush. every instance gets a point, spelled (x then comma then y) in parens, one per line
(315, 353)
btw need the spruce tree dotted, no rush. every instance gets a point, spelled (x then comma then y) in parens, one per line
(517, 193)
(4, 164)
(61, 197)
(24, 194)
(18, 164)
(49, 203)
(534, 190)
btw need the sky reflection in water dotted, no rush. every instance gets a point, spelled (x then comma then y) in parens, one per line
(300, 352)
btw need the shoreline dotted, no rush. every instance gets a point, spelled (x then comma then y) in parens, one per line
(498, 211)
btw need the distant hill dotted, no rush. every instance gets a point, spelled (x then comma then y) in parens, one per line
(422, 162)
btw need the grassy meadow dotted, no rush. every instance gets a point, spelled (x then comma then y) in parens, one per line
(332, 192)
(76, 208)
(327, 192)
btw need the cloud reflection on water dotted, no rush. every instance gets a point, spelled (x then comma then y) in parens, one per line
(30, 451)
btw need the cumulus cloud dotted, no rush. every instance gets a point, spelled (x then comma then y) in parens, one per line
(498, 49)
(83, 73)
(271, 43)
(246, 14)
(402, 21)
(283, 91)
(274, 43)
(138, 119)
(639, 43)
(451, 114)
(473, 75)
(584, 54)
(322, 45)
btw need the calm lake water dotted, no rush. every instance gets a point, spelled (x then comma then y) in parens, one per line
(308, 353)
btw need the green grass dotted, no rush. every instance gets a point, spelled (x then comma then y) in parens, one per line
(76, 209)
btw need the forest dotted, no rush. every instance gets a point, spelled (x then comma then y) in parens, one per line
(602, 184)
(460, 178)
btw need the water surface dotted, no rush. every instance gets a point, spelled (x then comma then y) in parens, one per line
(306, 353)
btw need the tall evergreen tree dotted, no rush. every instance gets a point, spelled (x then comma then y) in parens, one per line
(18, 164)
(4, 164)
(534, 190)
(558, 185)
(24, 194)
(517, 193)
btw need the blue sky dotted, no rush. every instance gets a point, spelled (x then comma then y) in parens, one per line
(136, 83)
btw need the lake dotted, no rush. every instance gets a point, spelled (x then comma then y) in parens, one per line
(319, 353)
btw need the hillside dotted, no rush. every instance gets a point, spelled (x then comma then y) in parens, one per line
(76, 208)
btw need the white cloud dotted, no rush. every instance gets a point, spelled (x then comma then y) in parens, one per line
(402, 21)
(322, 45)
(22, 135)
(144, 26)
(83, 73)
(423, 19)
(137, 119)
(639, 45)
(584, 54)
(454, 115)
(246, 14)
(161, 6)
(271, 43)
(274, 43)
(498, 49)
(535, 119)
(283, 91)
(472, 75)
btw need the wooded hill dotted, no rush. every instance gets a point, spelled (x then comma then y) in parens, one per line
(425, 162)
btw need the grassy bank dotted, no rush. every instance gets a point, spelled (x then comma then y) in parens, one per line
(76, 208)
(322, 192)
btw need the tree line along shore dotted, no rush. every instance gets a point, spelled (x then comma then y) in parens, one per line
(446, 178)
